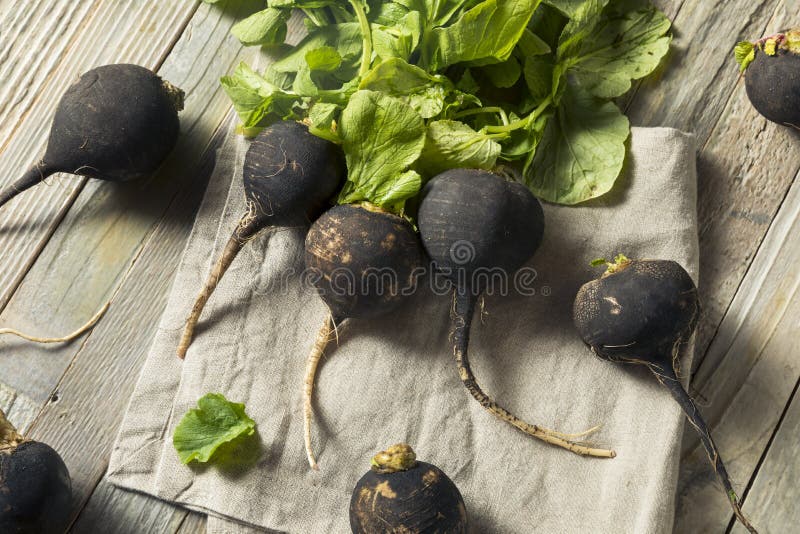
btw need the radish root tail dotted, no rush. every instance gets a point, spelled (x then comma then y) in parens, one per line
(242, 234)
(66, 339)
(669, 379)
(326, 334)
(32, 176)
(463, 308)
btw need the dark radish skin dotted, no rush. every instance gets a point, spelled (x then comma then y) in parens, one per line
(643, 312)
(772, 79)
(116, 123)
(399, 494)
(347, 249)
(289, 176)
(472, 221)
(35, 488)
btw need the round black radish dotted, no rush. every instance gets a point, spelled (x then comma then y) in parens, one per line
(772, 79)
(399, 494)
(116, 123)
(349, 247)
(473, 223)
(643, 312)
(35, 488)
(363, 262)
(289, 176)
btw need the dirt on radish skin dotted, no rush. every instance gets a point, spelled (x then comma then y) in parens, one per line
(401, 494)
(289, 176)
(35, 488)
(471, 222)
(116, 123)
(643, 312)
(348, 249)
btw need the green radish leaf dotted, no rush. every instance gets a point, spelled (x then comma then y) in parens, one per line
(538, 73)
(503, 74)
(204, 429)
(262, 28)
(398, 40)
(531, 44)
(452, 144)
(627, 44)
(424, 92)
(567, 7)
(382, 137)
(486, 33)
(322, 115)
(344, 38)
(324, 58)
(581, 152)
(745, 52)
(256, 101)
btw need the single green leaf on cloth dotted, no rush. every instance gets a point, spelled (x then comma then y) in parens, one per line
(627, 44)
(745, 52)
(382, 138)
(581, 152)
(265, 27)
(204, 429)
(452, 144)
(486, 33)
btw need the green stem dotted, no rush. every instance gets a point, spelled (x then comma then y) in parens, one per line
(478, 111)
(524, 121)
(366, 33)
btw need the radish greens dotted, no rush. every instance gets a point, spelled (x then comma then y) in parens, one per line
(523, 83)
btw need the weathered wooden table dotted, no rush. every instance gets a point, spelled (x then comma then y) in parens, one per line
(70, 246)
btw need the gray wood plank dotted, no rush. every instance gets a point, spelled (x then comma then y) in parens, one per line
(123, 512)
(750, 382)
(47, 45)
(19, 409)
(92, 249)
(103, 369)
(772, 500)
(740, 184)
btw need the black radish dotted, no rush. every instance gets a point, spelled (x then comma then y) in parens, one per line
(116, 123)
(399, 494)
(289, 176)
(363, 262)
(772, 79)
(643, 312)
(35, 488)
(473, 222)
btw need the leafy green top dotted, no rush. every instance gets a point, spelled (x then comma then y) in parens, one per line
(785, 42)
(204, 429)
(414, 87)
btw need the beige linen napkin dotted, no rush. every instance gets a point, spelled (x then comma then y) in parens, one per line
(392, 379)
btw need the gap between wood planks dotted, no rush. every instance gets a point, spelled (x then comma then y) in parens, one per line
(746, 492)
(80, 181)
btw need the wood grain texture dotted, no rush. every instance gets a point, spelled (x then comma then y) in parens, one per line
(123, 512)
(756, 367)
(19, 409)
(93, 248)
(46, 45)
(740, 185)
(772, 500)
